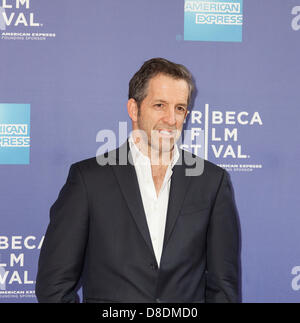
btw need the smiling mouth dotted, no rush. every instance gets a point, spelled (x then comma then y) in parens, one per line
(167, 132)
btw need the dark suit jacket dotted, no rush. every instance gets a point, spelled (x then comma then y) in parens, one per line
(98, 224)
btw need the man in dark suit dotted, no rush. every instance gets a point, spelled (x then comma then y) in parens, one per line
(134, 223)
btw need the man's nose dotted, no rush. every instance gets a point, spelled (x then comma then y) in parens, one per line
(170, 117)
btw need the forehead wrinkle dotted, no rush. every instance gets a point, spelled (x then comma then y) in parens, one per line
(157, 89)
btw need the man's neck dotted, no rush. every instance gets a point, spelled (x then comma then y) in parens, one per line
(159, 159)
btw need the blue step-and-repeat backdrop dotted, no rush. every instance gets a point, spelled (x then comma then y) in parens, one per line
(64, 72)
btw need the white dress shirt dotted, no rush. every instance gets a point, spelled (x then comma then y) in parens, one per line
(155, 206)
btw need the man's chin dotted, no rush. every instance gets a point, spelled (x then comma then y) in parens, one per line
(162, 148)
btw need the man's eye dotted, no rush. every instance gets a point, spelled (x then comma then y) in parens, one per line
(159, 105)
(181, 109)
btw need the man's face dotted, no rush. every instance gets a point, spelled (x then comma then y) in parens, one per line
(162, 112)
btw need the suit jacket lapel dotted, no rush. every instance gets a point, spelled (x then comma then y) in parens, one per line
(127, 179)
(179, 185)
(128, 182)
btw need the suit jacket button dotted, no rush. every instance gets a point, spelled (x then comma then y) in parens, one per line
(158, 300)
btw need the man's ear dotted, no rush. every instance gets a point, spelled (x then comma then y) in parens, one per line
(132, 109)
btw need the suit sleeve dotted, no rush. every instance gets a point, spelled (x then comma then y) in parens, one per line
(63, 250)
(223, 261)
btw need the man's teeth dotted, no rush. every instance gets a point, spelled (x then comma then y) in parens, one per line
(166, 132)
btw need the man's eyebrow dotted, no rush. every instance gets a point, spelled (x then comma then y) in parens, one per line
(160, 100)
(163, 101)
